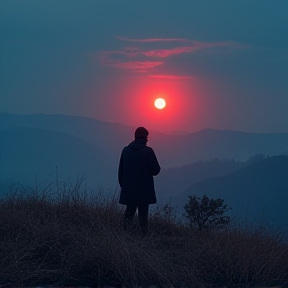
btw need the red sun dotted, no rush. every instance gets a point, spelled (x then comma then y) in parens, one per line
(160, 103)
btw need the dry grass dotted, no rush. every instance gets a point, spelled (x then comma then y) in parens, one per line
(71, 238)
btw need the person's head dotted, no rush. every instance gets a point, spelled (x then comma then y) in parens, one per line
(141, 133)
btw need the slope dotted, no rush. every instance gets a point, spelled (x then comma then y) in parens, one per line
(258, 190)
(26, 152)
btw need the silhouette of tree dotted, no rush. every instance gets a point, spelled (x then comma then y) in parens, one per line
(205, 214)
(255, 158)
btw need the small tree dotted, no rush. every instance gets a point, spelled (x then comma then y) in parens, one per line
(256, 158)
(204, 213)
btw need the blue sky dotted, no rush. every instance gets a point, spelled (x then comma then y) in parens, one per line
(219, 64)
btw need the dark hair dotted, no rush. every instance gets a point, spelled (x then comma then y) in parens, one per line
(141, 132)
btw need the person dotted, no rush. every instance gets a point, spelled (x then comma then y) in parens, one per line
(137, 166)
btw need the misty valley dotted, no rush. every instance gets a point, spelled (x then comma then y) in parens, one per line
(249, 171)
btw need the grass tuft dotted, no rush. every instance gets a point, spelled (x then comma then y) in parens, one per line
(69, 237)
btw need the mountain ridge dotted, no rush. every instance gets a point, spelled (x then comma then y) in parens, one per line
(172, 150)
(259, 189)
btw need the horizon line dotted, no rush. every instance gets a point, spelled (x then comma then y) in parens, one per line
(128, 125)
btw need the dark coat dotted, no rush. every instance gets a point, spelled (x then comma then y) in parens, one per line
(138, 164)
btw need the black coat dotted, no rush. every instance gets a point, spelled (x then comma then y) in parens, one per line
(138, 164)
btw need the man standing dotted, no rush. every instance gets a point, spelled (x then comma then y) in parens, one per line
(138, 164)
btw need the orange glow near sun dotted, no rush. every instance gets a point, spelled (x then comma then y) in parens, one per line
(160, 103)
(136, 105)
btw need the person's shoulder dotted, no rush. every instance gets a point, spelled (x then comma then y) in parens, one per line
(150, 149)
(125, 148)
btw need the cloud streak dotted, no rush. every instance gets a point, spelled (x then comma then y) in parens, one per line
(170, 77)
(137, 59)
(126, 60)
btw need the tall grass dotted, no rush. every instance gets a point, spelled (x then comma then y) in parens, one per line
(64, 236)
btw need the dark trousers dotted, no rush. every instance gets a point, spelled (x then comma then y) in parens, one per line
(142, 214)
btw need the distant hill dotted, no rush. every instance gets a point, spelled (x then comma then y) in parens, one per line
(27, 153)
(173, 181)
(258, 190)
(172, 150)
(95, 147)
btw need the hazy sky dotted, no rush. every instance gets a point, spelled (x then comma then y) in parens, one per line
(219, 64)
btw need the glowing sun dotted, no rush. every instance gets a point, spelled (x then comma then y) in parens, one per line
(160, 103)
